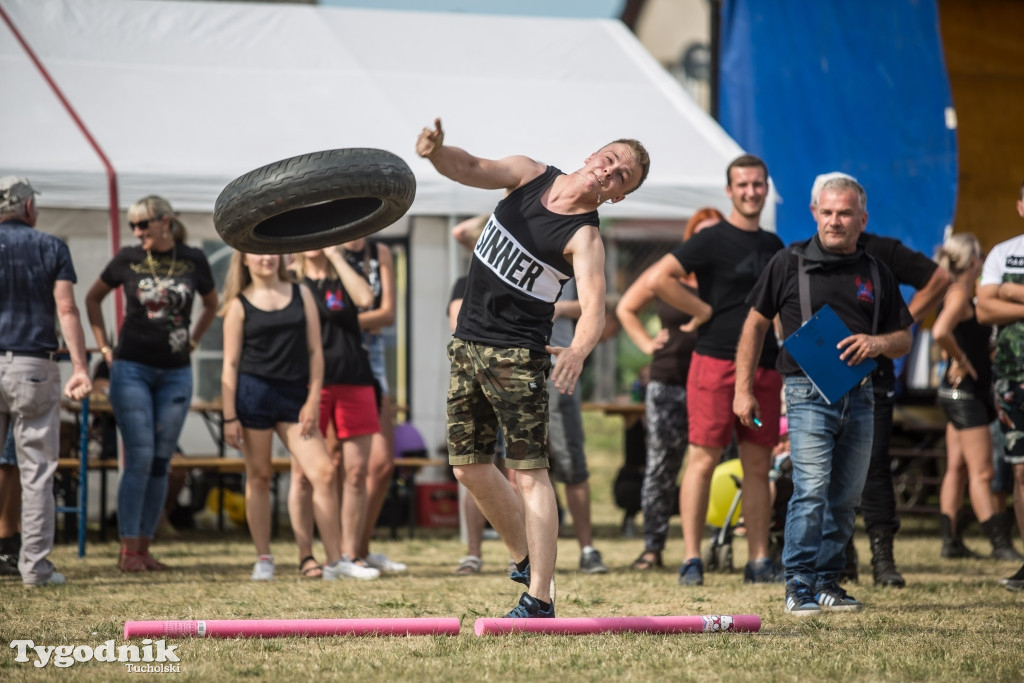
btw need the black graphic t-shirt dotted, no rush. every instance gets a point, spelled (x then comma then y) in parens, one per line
(847, 287)
(158, 292)
(518, 270)
(727, 262)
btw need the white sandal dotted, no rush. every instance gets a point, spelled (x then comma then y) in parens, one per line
(470, 564)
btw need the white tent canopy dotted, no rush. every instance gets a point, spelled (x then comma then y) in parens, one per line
(185, 96)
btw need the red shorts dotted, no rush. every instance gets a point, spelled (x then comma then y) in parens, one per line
(710, 388)
(350, 408)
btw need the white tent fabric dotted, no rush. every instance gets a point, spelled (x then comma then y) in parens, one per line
(185, 96)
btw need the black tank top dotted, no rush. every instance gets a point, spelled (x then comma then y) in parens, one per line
(274, 342)
(671, 363)
(974, 339)
(518, 269)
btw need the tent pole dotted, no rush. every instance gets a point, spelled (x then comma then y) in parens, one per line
(115, 227)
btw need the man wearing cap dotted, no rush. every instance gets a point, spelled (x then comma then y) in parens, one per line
(36, 291)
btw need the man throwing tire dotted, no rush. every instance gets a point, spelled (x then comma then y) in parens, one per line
(544, 232)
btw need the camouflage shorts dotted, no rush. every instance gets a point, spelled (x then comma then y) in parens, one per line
(1010, 401)
(494, 388)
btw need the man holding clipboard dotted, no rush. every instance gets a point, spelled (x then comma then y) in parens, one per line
(830, 438)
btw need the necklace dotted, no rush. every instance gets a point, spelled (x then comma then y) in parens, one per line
(164, 281)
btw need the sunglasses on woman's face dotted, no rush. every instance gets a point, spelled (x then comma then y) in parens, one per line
(143, 224)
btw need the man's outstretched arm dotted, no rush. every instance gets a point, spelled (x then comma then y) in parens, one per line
(462, 167)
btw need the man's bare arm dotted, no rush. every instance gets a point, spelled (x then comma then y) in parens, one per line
(994, 309)
(462, 167)
(748, 351)
(929, 296)
(664, 281)
(78, 385)
(586, 251)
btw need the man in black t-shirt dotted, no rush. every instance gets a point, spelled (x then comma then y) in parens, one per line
(830, 442)
(542, 233)
(878, 500)
(727, 259)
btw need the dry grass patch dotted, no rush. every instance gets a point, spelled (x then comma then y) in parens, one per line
(952, 622)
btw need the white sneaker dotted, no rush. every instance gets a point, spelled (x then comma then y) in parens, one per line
(380, 561)
(55, 579)
(263, 570)
(348, 569)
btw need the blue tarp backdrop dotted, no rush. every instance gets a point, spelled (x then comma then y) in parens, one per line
(852, 86)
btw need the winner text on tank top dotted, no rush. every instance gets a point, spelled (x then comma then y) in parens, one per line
(518, 269)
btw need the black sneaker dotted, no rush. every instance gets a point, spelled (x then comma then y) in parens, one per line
(529, 608)
(1015, 582)
(522, 577)
(800, 600)
(590, 562)
(831, 597)
(763, 571)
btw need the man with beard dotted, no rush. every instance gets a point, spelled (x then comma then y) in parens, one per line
(727, 259)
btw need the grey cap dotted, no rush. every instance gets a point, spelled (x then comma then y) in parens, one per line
(14, 190)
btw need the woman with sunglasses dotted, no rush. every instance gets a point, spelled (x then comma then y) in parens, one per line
(150, 368)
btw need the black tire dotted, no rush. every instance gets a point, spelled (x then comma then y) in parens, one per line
(314, 201)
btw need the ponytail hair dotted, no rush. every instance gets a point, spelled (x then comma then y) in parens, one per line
(956, 253)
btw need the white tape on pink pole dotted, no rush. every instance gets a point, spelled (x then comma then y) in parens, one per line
(587, 625)
(269, 628)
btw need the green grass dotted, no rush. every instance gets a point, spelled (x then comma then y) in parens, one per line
(952, 622)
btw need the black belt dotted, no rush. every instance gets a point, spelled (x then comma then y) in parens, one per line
(49, 355)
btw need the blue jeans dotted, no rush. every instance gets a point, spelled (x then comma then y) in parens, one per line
(150, 405)
(830, 449)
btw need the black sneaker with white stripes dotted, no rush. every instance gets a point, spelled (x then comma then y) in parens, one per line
(832, 597)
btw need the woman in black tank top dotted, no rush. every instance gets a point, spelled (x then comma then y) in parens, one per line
(270, 382)
(965, 394)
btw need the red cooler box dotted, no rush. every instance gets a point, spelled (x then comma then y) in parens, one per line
(437, 505)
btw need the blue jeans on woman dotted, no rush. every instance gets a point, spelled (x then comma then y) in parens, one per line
(830, 449)
(150, 405)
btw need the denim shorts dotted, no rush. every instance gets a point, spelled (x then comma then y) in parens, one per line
(261, 403)
(375, 349)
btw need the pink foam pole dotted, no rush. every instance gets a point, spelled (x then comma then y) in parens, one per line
(586, 625)
(270, 628)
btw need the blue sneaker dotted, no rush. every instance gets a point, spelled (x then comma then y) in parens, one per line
(529, 608)
(763, 571)
(800, 600)
(833, 598)
(692, 573)
(522, 577)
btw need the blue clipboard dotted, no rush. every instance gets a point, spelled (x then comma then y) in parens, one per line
(813, 347)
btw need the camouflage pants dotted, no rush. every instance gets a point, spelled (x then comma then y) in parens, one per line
(494, 388)
(667, 436)
(1010, 400)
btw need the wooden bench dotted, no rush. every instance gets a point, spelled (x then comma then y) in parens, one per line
(235, 465)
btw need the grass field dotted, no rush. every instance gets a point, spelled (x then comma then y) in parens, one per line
(952, 622)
